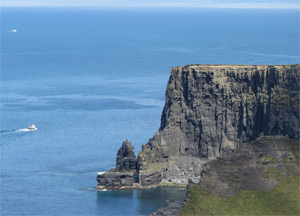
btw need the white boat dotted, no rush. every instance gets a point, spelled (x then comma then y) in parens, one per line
(32, 127)
(14, 30)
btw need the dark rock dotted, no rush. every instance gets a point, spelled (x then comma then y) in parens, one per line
(115, 180)
(150, 178)
(124, 175)
(126, 159)
(172, 208)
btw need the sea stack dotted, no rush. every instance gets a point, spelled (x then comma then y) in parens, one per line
(125, 174)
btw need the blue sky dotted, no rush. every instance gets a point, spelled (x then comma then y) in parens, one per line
(158, 3)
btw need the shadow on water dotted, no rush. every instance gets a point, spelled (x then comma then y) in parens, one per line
(138, 201)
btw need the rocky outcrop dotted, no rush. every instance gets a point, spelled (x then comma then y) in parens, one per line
(212, 109)
(126, 159)
(115, 180)
(124, 176)
(173, 207)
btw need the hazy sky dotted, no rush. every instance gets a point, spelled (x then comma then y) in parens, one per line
(158, 3)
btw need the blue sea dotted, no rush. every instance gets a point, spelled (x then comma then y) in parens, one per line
(90, 78)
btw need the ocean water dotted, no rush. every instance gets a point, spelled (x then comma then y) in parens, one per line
(89, 78)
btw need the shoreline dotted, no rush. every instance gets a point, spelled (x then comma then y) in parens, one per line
(140, 187)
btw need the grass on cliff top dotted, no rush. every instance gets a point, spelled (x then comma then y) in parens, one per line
(170, 184)
(284, 199)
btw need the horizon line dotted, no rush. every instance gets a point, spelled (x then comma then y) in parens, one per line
(240, 5)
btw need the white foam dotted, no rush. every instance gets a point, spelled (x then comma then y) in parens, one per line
(101, 173)
(23, 130)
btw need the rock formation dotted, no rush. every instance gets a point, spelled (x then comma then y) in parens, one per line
(213, 109)
(126, 159)
(173, 207)
(125, 174)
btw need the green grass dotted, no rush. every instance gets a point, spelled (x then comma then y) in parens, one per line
(282, 200)
(170, 184)
(265, 159)
(273, 173)
(154, 167)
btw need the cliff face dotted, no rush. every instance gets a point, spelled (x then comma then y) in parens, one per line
(212, 109)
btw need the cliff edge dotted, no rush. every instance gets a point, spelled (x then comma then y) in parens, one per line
(213, 109)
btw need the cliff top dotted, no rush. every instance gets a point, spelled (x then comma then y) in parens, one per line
(221, 69)
(231, 66)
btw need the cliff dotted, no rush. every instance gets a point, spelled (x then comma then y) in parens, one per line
(213, 109)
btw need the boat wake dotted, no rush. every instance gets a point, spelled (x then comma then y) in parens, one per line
(15, 131)
(22, 130)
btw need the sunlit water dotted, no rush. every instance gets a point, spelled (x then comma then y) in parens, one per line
(91, 78)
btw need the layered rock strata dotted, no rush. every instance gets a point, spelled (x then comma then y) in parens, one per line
(213, 109)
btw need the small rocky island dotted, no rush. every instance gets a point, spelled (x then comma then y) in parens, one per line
(125, 174)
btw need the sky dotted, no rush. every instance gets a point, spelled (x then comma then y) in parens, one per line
(158, 3)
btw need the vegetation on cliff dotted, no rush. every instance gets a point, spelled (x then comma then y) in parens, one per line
(279, 164)
(282, 200)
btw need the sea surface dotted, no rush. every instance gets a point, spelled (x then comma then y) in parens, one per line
(90, 78)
